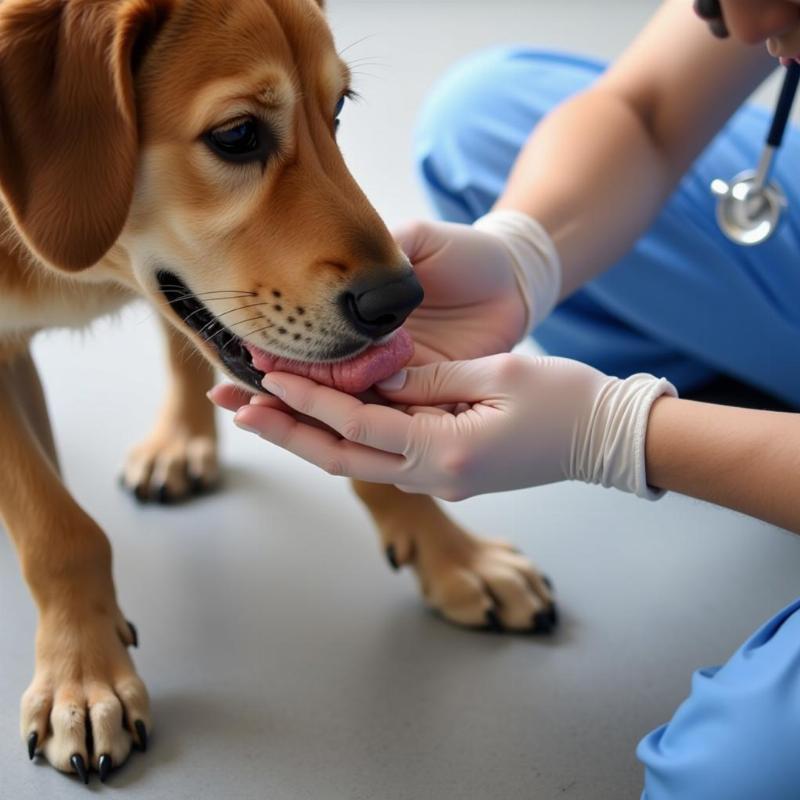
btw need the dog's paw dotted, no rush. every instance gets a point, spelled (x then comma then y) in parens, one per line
(172, 466)
(86, 706)
(475, 582)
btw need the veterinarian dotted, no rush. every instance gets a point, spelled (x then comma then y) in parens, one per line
(599, 232)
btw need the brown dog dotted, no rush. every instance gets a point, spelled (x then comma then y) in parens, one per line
(184, 151)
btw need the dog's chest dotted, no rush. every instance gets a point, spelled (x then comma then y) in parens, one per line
(29, 306)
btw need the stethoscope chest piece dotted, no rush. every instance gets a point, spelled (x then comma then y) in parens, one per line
(750, 208)
(749, 213)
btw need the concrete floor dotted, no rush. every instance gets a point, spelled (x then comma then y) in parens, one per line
(283, 658)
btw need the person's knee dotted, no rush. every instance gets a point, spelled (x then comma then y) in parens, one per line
(456, 102)
(458, 123)
(713, 762)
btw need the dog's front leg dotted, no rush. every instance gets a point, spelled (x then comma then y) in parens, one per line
(470, 581)
(84, 679)
(179, 457)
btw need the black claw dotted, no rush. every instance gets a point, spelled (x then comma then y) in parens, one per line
(553, 614)
(391, 557)
(140, 495)
(542, 622)
(104, 765)
(197, 485)
(547, 581)
(134, 634)
(79, 765)
(33, 741)
(141, 732)
(163, 496)
(493, 622)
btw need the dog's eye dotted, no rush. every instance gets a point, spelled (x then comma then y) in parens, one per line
(241, 142)
(349, 94)
(339, 108)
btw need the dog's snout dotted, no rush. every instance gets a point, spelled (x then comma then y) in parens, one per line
(376, 306)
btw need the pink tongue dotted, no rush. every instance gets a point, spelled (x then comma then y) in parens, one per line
(353, 376)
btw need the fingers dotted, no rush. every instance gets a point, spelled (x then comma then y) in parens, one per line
(374, 426)
(411, 238)
(229, 397)
(455, 382)
(320, 447)
(422, 240)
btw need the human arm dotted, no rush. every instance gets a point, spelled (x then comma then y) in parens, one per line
(597, 170)
(591, 178)
(533, 421)
(735, 457)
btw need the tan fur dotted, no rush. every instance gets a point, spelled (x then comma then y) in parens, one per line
(105, 178)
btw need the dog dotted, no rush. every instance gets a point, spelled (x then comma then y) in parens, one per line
(184, 151)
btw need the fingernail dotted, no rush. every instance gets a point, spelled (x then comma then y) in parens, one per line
(273, 387)
(395, 383)
(243, 425)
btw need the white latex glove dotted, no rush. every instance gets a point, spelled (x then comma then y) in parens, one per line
(519, 422)
(485, 284)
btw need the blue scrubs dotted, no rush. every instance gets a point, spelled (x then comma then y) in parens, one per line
(736, 736)
(684, 303)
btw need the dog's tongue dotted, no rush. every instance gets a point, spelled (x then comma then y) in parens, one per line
(353, 376)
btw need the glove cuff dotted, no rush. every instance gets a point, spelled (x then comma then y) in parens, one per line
(537, 267)
(612, 450)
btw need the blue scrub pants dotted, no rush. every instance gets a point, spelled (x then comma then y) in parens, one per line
(685, 304)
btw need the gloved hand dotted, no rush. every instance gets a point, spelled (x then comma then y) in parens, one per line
(486, 285)
(518, 422)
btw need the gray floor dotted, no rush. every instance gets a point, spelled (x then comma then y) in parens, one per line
(284, 660)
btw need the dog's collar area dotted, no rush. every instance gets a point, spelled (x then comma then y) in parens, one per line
(197, 317)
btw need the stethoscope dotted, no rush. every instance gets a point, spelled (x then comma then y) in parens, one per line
(750, 208)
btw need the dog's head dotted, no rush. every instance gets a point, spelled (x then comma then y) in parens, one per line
(189, 147)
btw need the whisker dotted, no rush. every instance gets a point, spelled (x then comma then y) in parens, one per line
(261, 330)
(229, 332)
(213, 321)
(245, 321)
(369, 75)
(357, 42)
(225, 330)
(234, 295)
(243, 308)
(367, 62)
(212, 291)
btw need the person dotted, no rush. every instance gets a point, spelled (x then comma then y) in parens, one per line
(597, 230)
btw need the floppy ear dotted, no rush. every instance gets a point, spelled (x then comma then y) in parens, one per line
(68, 134)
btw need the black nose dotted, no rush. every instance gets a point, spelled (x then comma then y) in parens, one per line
(376, 306)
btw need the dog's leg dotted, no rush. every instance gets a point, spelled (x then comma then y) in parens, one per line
(470, 581)
(84, 679)
(33, 402)
(179, 457)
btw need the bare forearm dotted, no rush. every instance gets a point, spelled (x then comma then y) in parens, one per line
(592, 176)
(598, 169)
(738, 458)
